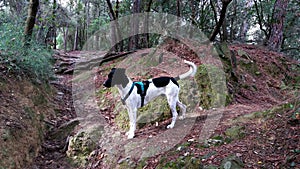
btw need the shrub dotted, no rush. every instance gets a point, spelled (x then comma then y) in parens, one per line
(33, 60)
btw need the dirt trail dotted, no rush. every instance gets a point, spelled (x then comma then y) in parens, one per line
(53, 152)
(259, 92)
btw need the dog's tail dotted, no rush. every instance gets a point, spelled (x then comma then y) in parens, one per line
(191, 72)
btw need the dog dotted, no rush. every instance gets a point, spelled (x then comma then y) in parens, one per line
(136, 94)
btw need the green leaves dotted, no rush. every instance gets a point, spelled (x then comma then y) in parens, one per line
(33, 60)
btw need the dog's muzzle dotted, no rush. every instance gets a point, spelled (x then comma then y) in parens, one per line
(107, 83)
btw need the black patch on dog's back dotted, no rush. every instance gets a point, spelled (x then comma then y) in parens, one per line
(163, 81)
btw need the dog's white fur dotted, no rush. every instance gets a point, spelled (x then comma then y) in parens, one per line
(171, 91)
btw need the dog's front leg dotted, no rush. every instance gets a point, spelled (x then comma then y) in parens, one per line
(132, 118)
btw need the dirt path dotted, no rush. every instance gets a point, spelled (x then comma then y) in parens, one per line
(256, 148)
(53, 152)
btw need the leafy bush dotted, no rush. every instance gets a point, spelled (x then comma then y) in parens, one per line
(33, 60)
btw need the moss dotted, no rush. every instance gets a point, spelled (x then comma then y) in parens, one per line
(39, 100)
(83, 143)
(235, 132)
(122, 119)
(250, 67)
(180, 162)
(212, 87)
(142, 163)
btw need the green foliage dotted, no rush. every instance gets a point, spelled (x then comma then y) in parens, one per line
(33, 60)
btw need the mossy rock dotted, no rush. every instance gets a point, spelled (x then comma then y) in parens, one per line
(83, 143)
(210, 167)
(211, 82)
(158, 109)
(181, 162)
(235, 132)
(232, 162)
(250, 67)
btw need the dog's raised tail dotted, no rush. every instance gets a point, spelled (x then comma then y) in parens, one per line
(191, 72)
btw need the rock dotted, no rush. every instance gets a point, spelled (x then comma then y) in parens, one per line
(210, 167)
(64, 130)
(232, 162)
(235, 132)
(83, 143)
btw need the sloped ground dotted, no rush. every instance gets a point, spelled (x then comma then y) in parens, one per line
(264, 106)
(260, 128)
(25, 107)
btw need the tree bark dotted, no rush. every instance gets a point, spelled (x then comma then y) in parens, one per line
(145, 39)
(261, 20)
(54, 23)
(32, 11)
(75, 46)
(225, 3)
(134, 39)
(277, 24)
(115, 31)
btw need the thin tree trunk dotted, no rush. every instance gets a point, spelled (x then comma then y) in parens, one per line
(225, 3)
(75, 46)
(178, 11)
(115, 30)
(193, 16)
(32, 11)
(232, 22)
(87, 24)
(261, 20)
(224, 36)
(215, 14)
(134, 39)
(276, 37)
(54, 24)
(66, 32)
(145, 41)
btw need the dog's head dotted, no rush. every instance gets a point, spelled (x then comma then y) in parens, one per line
(116, 76)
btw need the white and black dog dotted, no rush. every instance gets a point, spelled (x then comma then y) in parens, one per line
(134, 94)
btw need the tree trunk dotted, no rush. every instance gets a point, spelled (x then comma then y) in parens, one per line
(232, 22)
(145, 40)
(115, 29)
(261, 20)
(178, 11)
(54, 23)
(32, 11)
(75, 47)
(225, 3)
(242, 34)
(224, 36)
(134, 39)
(277, 24)
(66, 32)
(193, 17)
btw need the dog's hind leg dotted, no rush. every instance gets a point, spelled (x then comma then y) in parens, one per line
(132, 118)
(172, 104)
(182, 109)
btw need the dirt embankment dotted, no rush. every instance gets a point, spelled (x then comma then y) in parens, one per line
(24, 109)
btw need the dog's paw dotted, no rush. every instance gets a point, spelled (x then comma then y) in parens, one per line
(181, 117)
(130, 136)
(170, 126)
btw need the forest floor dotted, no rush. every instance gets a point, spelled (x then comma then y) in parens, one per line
(264, 109)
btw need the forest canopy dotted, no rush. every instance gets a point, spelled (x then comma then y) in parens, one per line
(68, 24)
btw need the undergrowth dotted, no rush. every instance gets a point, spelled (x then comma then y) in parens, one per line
(34, 60)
